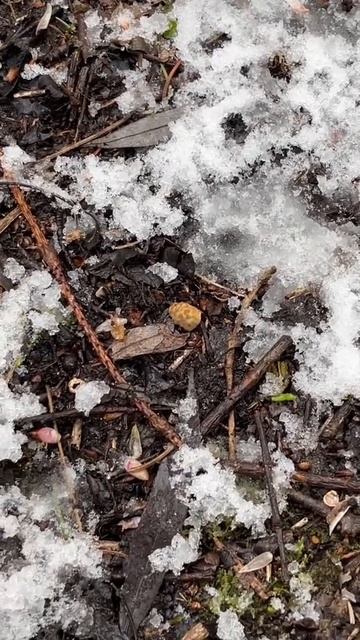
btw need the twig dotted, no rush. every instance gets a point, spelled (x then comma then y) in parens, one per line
(276, 519)
(216, 285)
(332, 425)
(232, 344)
(51, 259)
(7, 220)
(252, 470)
(80, 143)
(72, 413)
(169, 79)
(251, 379)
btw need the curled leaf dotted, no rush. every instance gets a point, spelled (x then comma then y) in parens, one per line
(259, 562)
(331, 499)
(134, 469)
(337, 513)
(135, 446)
(74, 384)
(46, 435)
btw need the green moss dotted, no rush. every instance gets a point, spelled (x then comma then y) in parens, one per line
(231, 595)
(325, 575)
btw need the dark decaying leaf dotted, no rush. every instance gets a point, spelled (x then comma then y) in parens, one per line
(146, 132)
(162, 519)
(153, 338)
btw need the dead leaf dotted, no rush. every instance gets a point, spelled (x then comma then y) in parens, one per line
(135, 446)
(133, 468)
(259, 562)
(153, 338)
(146, 132)
(45, 19)
(337, 513)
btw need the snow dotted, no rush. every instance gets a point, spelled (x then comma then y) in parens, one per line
(89, 394)
(33, 584)
(229, 626)
(165, 271)
(13, 406)
(36, 298)
(211, 495)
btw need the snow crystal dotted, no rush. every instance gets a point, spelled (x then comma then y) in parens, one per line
(14, 270)
(233, 303)
(298, 435)
(36, 298)
(14, 406)
(229, 626)
(181, 551)
(165, 271)
(33, 584)
(301, 589)
(89, 394)
(33, 69)
(138, 95)
(211, 492)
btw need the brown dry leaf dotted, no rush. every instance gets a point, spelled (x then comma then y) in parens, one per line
(153, 338)
(135, 469)
(135, 446)
(259, 562)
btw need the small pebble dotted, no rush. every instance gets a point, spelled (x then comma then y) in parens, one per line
(304, 466)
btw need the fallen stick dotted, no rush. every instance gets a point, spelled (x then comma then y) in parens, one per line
(251, 379)
(233, 343)
(51, 259)
(252, 470)
(276, 518)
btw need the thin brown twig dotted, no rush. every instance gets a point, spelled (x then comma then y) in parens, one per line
(250, 380)
(276, 518)
(232, 344)
(7, 220)
(169, 78)
(51, 259)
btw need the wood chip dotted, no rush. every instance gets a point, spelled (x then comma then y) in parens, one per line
(337, 513)
(153, 338)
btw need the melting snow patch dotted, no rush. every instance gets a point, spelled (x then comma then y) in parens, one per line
(89, 394)
(33, 582)
(229, 626)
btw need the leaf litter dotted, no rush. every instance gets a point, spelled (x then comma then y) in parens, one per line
(243, 157)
